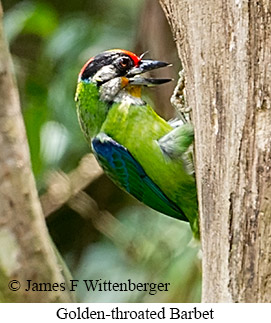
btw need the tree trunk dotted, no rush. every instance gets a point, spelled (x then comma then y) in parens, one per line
(225, 48)
(26, 252)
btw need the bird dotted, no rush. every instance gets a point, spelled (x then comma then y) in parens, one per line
(143, 154)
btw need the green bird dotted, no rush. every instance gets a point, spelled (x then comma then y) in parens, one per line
(142, 153)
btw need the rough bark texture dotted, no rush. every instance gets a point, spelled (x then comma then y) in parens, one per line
(225, 48)
(26, 252)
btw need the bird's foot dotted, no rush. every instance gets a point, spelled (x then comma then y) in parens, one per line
(178, 99)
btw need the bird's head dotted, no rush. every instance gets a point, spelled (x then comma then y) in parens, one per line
(117, 73)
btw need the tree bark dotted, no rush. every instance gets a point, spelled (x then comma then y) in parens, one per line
(225, 48)
(26, 252)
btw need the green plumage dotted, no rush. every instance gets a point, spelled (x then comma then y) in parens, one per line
(161, 150)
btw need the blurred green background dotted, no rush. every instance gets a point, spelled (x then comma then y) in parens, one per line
(49, 42)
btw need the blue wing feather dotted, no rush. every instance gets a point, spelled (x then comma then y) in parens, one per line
(127, 173)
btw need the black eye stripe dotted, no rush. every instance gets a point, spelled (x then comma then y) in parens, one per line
(107, 58)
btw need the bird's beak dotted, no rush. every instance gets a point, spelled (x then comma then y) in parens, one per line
(146, 65)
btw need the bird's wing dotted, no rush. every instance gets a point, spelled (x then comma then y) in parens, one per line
(177, 144)
(127, 173)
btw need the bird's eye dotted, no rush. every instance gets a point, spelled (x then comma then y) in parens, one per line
(123, 63)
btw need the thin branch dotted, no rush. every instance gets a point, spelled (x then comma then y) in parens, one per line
(62, 187)
(68, 189)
